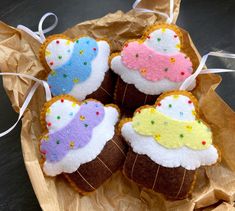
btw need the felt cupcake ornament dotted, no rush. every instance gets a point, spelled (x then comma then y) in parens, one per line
(80, 141)
(168, 143)
(78, 67)
(160, 61)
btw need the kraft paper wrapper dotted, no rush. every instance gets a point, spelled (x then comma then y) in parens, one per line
(215, 185)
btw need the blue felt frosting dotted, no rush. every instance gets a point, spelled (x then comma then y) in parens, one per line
(77, 69)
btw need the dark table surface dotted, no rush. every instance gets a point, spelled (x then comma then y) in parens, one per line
(211, 24)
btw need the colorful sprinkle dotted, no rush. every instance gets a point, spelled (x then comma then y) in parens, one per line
(158, 39)
(48, 53)
(57, 41)
(82, 118)
(61, 100)
(158, 136)
(152, 122)
(178, 46)
(182, 73)
(58, 117)
(143, 71)
(59, 57)
(170, 106)
(94, 49)
(172, 60)
(68, 42)
(57, 142)
(175, 96)
(49, 124)
(76, 80)
(46, 137)
(81, 52)
(71, 144)
(189, 127)
(48, 111)
(204, 142)
(181, 135)
(64, 75)
(97, 113)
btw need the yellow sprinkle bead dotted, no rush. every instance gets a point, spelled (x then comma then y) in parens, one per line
(71, 144)
(82, 118)
(76, 80)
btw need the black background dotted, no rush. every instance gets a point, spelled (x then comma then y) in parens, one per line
(211, 24)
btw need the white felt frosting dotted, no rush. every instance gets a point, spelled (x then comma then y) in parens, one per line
(141, 83)
(185, 157)
(163, 41)
(178, 107)
(59, 114)
(99, 67)
(62, 50)
(101, 134)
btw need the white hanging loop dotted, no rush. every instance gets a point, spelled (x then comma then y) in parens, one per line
(28, 98)
(188, 81)
(169, 18)
(39, 35)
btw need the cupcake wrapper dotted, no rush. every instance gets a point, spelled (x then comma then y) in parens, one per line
(105, 92)
(91, 175)
(174, 183)
(128, 98)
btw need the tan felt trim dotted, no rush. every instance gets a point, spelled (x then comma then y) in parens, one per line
(132, 169)
(105, 165)
(181, 185)
(118, 147)
(106, 91)
(124, 94)
(156, 176)
(85, 180)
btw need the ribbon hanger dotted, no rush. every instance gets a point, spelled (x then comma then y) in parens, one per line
(39, 35)
(28, 98)
(188, 81)
(169, 18)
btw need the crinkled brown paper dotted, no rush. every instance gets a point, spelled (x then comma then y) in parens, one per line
(215, 186)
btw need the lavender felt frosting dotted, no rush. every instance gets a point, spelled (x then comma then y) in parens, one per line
(76, 134)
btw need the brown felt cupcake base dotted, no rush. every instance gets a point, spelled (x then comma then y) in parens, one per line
(128, 98)
(91, 175)
(174, 183)
(106, 90)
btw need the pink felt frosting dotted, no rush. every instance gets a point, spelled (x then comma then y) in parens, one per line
(155, 66)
